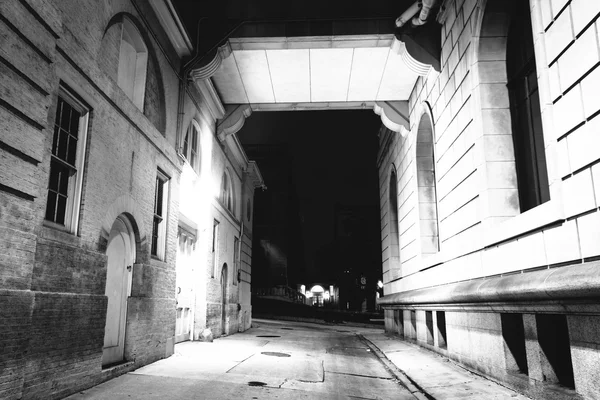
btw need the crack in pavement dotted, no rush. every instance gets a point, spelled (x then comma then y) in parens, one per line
(236, 365)
(361, 376)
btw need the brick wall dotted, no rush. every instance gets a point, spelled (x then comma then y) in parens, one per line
(54, 281)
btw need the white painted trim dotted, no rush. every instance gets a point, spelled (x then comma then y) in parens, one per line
(208, 91)
(307, 106)
(169, 20)
(311, 42)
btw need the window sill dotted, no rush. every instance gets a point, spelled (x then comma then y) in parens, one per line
(58, 233)
(543, 215)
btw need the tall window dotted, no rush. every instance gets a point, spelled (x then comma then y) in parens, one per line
(159, 226)
(426, 183)
(133, 63)
(528, 137)
(236, 260)
(394, 236)
(66, 161)
(226, 192)
(190, 146)
(215, 246)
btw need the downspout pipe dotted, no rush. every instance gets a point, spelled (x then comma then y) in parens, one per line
(409, 13)
(424, 14)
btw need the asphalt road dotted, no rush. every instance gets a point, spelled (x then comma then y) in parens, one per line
(273, 360)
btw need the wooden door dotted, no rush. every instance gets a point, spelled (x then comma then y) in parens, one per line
(184, 288)
(224, 299)
(121, 254)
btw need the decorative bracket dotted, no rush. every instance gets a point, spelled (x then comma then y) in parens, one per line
(394, 115)
(232, 122)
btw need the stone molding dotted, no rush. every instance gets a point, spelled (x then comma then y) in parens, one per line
(128, 206)
(208, 70)
(394, 115)
(581, 281)
(233, 120)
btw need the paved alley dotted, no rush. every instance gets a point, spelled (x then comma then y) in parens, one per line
(283, 360)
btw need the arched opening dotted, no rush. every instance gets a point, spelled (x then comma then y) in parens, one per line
(133, 63)
(394, 233)
(428, 218)
(227, 192)
(224, 301)
(526, 116)
(121, 255)
(190, 146)
(511, 123)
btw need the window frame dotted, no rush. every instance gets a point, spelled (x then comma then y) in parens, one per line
(226, 193)
(215, 247)
(75, 180)
(131, 35)
(528, 138)
(190, 146)
(159, 229)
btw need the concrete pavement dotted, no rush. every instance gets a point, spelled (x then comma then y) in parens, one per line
(294, 360)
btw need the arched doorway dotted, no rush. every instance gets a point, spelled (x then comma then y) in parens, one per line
(120, 254)
(224, 299)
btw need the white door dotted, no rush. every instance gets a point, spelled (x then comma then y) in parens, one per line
(121, 254)
(184, 286)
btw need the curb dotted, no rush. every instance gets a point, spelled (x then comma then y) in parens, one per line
(417, 391)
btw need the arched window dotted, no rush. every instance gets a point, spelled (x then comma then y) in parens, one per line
(133, 63)
(394, 235)
(190, 146)
(527, 133)
(226, 192)
(428, 217)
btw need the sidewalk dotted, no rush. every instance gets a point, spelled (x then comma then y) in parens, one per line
(431, 376)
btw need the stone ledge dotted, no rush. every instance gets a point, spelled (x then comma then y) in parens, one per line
(579, 281)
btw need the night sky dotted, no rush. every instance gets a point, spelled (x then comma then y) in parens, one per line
(332, 160)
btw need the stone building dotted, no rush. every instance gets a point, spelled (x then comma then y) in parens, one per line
(489, 197)
(112, 177)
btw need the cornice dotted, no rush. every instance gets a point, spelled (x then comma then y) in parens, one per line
(255, 175)
(165, 11)
(208, 91)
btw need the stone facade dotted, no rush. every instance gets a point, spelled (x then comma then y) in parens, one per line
(53, 259)
(473, 277)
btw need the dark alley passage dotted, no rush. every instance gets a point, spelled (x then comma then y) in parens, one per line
(294, 360)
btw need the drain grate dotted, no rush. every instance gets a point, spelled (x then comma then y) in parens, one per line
(275, 354)
(256, 383)
(268, 336)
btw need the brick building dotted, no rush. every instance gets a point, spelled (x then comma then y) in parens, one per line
(112, 176)
(489, 197)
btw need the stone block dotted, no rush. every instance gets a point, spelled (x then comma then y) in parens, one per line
(578, 193)
(562, 158)
(562, 243)
(588, 227)
(589, 91)
(532, 251)
(555, 84)
(578, 59)
(492, 48)
(567, 112)
(494, 95)
(583, 13)
(583, 144)
(558, 36)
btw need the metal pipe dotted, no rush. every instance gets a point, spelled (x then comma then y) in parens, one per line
(424, 14)
(408, 14)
